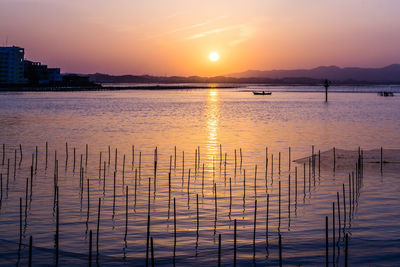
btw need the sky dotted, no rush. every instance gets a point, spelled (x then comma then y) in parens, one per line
(175, 37)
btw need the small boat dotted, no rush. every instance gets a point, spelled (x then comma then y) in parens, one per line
(262, 93)
(384, 93)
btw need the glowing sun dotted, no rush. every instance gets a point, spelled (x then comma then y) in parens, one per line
(213, 56)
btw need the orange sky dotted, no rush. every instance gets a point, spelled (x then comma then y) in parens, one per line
(175, 37)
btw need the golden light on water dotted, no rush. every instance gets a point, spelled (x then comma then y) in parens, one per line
(212, 122)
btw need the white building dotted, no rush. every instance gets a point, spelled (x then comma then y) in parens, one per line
(11, 65)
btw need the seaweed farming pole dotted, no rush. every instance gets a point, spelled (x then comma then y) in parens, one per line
(219, 250)
(90, 248)
(327, 83)
(126, 213)
(109, 155)
(280, 249)
(100, 166)
(174, 232)
(174, 157)
(116, 159)
(20, 151)
(381, 159)
(255, 224)
(152, 252)
(66, 153)
(267, 220)
(333, 231)
(338, 211)
(57, 227)
(266, 168)
(148, 226)
(123, 171)
(326, 242)
(74, 160)
(133, 156)
(20, 222)
(279, 205)
(234, 244)
(344, 209)
(30, 252)
(346, 253)
(350, 210)
(155, 168)
(98, 228)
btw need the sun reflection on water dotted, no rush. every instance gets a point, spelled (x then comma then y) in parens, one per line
(212, 112)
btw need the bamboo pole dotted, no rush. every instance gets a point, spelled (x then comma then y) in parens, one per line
(234, 244)
(219, 250)
(326, 242)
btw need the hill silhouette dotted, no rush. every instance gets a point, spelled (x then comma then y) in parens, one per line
(386, 75)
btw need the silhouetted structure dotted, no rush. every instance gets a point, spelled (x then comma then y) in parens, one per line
(77, 80)
(38, 74)
(327, 83)
(12, 65)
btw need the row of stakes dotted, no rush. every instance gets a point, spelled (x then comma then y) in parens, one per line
(355, 183)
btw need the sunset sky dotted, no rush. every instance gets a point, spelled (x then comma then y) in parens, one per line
(175, 37)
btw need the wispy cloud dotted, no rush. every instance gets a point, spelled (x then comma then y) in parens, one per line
(196, 25)
(188, 27)
(242, 32)
(245, 33)
(210, 32)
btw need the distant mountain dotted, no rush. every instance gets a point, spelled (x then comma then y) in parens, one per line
(389, 74)
(316, 76)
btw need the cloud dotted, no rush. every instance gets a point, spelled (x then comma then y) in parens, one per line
(210, 32)
(242, 33)
(245, 33)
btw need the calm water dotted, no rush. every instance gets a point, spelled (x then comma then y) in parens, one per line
(192, 119)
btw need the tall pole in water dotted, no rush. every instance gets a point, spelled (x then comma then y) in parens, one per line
(327, 83)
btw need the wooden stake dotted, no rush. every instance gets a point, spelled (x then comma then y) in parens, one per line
(255, 223)
(98, 228)
(255, 181)
(140, 165)
(219, 250)
(333, 231)
(338, 211)
(86, 156)
(36, 159)
(279, 203)
(30, 251)
(109, 155)
(123, 171)
(20, 222)
(267, 219)
(126, 213)
(74, 159)
(47, 151)
(90, 248)
(152, 253)
(116, 159)
(234, 244)
(326, 242)
(133, 156)
(174, 232)
(346, 255)
(279, 166)
(280, 249)
(175, 158)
